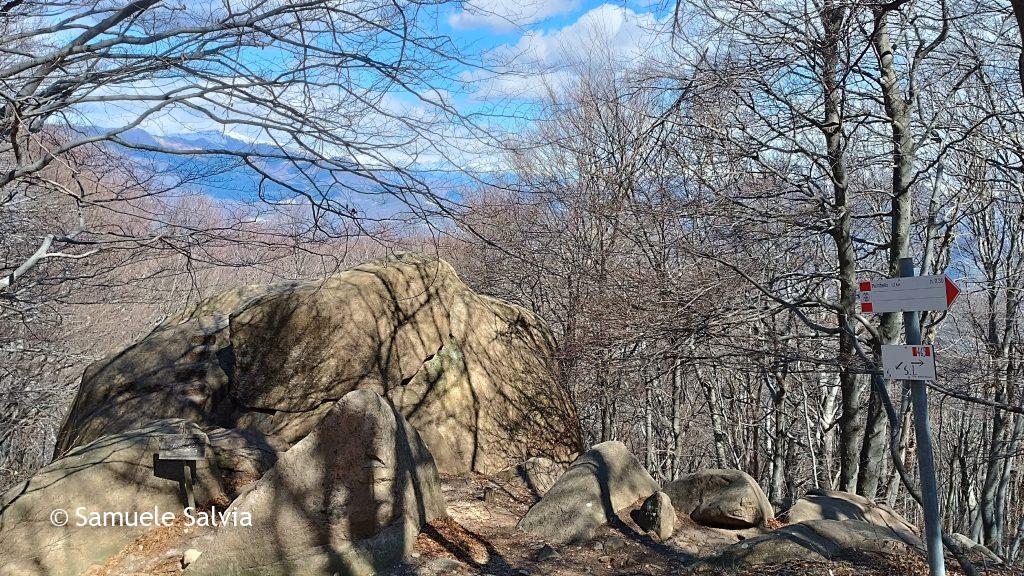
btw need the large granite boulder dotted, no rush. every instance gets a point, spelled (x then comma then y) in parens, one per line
(721, 499)
(819, 504)
(807, 542)
(347, 499)
(473, 374)
(601, 482)
(117, 474)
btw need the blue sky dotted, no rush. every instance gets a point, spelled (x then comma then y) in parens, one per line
(528, 43)
(484, 25)
(524, 46)
(533, 39)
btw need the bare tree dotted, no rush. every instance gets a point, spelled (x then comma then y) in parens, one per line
(312, 87)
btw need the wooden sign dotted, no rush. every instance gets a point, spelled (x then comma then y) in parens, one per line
(181, 447)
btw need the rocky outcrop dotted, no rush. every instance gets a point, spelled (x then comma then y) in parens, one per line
(347, 499)
(604, 480)
(834, 505)
(118, 474)
(656, 515)
(807, 542)
(721, 499)
(473, 374)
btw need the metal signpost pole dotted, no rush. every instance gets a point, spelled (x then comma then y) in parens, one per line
(925, 455)
(915, 365)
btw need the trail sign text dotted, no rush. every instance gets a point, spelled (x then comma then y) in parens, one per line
(181, 447)
(911, 362)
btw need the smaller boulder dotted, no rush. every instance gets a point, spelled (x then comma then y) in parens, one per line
(615, 543)
(657, 515)
(976, 553)
(604, 480)
(721, 499)
(349, 498)
(835, 505)
(190, 556)
(822, 541)
(57, 522)
(440, 567)
(547, 552)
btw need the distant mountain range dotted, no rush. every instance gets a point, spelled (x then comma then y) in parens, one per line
(226, 177)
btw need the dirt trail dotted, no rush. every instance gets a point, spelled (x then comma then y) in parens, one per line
(480, 538)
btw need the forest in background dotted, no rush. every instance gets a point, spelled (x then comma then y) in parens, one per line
(692, 225)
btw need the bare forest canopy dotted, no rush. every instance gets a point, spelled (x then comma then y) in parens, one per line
(693, 223)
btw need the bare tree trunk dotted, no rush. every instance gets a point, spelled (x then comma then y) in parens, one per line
(1004, 481)
(897, 108)
(873, 452)
(989, 502)
(1018, 12)
(649, 461)
(850, 429)
(893, 490)
(677, 420)
(826, 428)
(717, 420)
(607, 402)
(780, 443)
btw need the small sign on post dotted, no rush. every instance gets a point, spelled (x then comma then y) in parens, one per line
(910, 362)
(186, 448)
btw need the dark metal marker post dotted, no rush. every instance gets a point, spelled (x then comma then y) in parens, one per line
(190, 498)
(925, 453)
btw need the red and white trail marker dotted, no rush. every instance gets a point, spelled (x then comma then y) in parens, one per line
(910, 294)
(908, 362)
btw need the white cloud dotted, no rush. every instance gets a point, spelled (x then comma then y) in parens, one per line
(503, 16)
(612, 31)
(608, 35)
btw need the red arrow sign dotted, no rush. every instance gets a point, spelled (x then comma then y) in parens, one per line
(952, 291)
